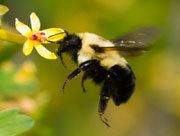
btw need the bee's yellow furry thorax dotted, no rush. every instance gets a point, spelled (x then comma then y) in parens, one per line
(107, 59)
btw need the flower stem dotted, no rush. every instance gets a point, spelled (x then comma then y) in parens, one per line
(11, 37)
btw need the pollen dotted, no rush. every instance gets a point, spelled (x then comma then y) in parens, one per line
(34, 37)
(40, 37)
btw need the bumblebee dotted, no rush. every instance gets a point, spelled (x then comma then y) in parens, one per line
(103, 61)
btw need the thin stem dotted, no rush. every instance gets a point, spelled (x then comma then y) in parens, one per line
(11, 37)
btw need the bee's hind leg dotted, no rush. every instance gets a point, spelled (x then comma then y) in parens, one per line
(104, 98)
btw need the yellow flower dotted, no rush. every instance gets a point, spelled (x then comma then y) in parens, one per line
(35, 37)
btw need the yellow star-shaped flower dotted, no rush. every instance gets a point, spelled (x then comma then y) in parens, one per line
(35, 37)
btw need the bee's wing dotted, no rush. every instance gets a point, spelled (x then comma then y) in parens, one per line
(134, 43)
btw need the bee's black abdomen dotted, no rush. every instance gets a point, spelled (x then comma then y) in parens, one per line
(119, 82)
(122, 84)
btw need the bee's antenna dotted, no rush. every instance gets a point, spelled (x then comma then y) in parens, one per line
(52, 42)
(59, 34)
(55, 35)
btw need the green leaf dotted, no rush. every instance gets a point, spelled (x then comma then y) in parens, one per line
(3, 9)
(11, 123)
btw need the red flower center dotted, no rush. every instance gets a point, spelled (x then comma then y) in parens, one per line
(40, 37)
(34, 37)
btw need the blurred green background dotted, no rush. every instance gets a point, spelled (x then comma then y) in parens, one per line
(153, 110)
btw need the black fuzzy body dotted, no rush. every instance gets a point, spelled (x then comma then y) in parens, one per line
(117, 82)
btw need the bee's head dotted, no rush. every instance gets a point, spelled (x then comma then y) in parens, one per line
(70, 43)
(60, 38)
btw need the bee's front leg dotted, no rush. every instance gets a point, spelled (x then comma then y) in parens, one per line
(82, 82)
(77, 71)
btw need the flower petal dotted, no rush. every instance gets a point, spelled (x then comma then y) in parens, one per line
(3, 10)
(27, 47)
(22, 28)
(35, 22)
(44, 52)
(52, 32)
